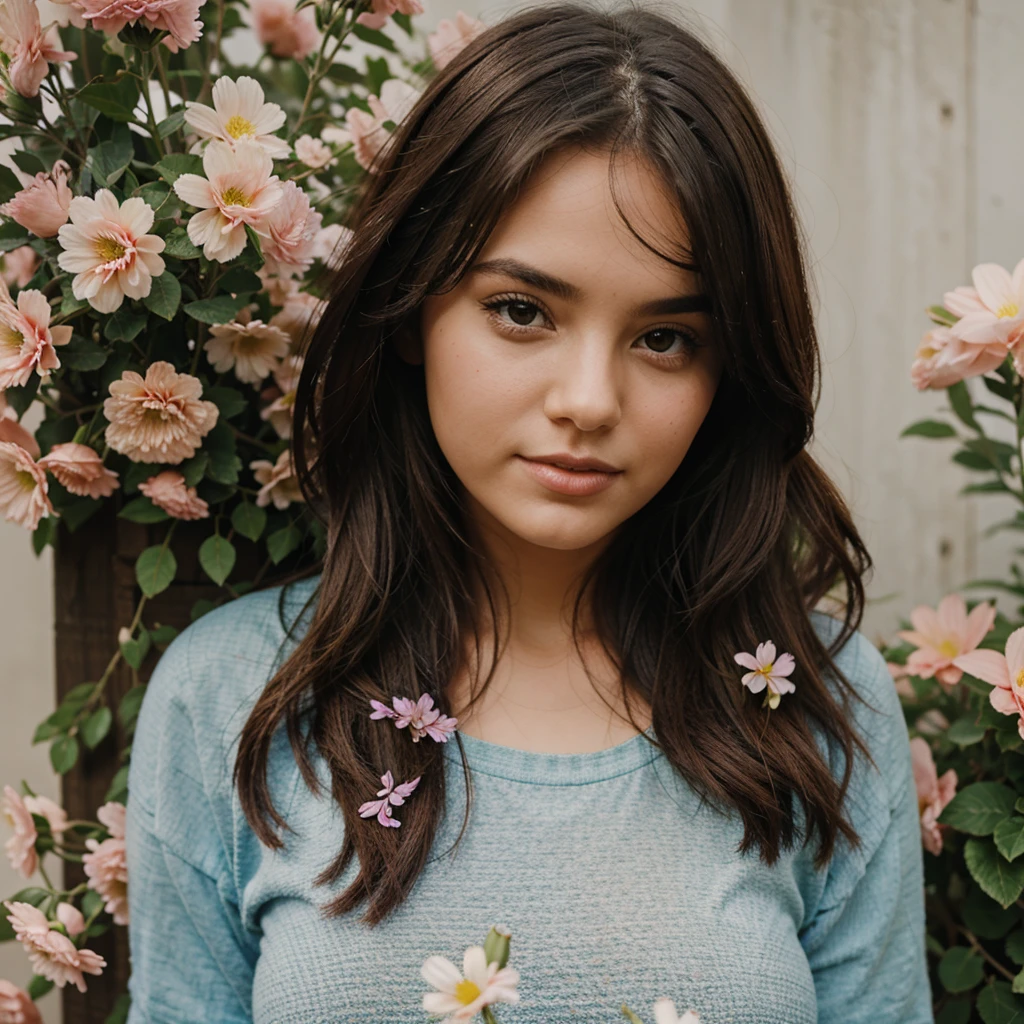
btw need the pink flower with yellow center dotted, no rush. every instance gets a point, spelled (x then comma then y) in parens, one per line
(23, 487)
(42, 206)
(278, 481)
(452, 36)
(239, 111)
(11, 430)
(767, 671)
(160, 418)
(107, 249)
(992, 312)
(167, 490)
(291, 232)
(463, 994)
(250, 347)
(933, 793)
(79, 468)
(942, 635)
(282, 396)
(30, 49)
(52, 955)
(943, 359)
(26, 338)
(1004, 672)
(238, 189)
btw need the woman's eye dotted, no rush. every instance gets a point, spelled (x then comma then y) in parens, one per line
(520, 313)
(662, 339)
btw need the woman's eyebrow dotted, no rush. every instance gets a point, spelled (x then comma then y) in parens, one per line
(537, 278)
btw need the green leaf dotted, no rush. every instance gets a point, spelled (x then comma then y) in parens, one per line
(193, 469)
(9, 183)
(162, 635)
(965, 731)
(217, 557)
(956, 1011)
(124, 324)
(155, 568)
(164, 296)
(985, 917)
(229, 401)
(179, 245)
(142, 510)
(998, 1005)
(29, 162)
(221, 309)
(960, 399)
(240, 279)
(119, 1014)
(978, 808)
(38, 986)
(282, 542)
(118, 788)
(249, 520)
(1018, 983)
(225, 465)
(174, 165)
(999, 387)
(375, 36)
(64, 754)
(961, 969)
(131, 702)
(170, 124)
(13, 236)
(1015, 947)
(115, 99)
(82, 354)
(96, 727)
(109, 159)
(1002, 880)
(941, 315)
(928, 428)
(1009, 837)
(134, 651)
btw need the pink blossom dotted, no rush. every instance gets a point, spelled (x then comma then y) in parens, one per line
(462, 995)
(71, 917)
(940, 636)
(332, 243)
(282, 396)
(250, 347)
(313, 153)
(19, 265)
(992, 312)
(23, 487)
(1004, 672)
(300, 312)
(178, 17)
(278, 481)
(80, 469)
(368, 133)
(288, 32)
(393, 796)
(55, 815)
(290, 233)
(422, 718)
(16, 1007)
(30, 48)
(933, 793)
(106, 865)
(383, 9)
(52, 955)
(11, 430)
(26, 338)
(167, 490)
(42, 206)
(767, 670)
(943, 359)
(239, 111)
(452, 36)
(21, 847)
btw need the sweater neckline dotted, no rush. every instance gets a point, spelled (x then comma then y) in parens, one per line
(541, 768)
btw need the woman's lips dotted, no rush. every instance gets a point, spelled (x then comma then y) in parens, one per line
(577, 483)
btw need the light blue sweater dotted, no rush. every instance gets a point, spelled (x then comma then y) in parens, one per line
(617, 886)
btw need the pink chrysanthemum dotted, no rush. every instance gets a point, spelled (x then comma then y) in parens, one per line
(251, 348)
(282, 396)
(452, 36)
(42, 206)
(30, 49)
(106, 865)
(422, 718)
(52, 955)
(288, 32)
(377, 16)
(23, 487)
(290, 233)
(278, 482)
(21, 847)
(167, 490)
(26, 338)
(767, 671)
(80, 469)
(16, 1007)
(178, 17)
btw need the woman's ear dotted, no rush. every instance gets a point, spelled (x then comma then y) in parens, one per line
(409, 345)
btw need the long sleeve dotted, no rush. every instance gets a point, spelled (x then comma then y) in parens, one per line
(865, 942)
(191, 958)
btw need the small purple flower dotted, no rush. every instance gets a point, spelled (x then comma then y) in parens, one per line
(422, 718)
(393, 796)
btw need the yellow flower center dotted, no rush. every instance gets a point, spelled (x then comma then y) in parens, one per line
(1007, 310)
(109, 249)
(949, 648)
(25, 479)
(466, 991)
(1020, 678)
(10, 338)
(766, 670)
(234, 196)
(238, 125)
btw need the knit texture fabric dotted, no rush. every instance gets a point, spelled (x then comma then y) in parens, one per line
(617, 885)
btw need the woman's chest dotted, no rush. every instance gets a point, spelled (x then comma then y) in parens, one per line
(613, 895)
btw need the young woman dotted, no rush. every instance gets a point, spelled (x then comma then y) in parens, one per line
(558, 409)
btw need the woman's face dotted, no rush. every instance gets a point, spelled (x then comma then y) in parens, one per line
(568, 336)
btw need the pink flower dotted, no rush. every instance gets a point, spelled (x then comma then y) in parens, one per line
(288, 32)
(1004, 672)
(11, 430)
(383, 9)
(767, 670)
(452, 36)
(421, 716)
(368, 132)
(462, 995)
(393, 796)
(108, 250)
(239, 111)
(313, 152)
(300, 311)
(331, 244)
(31, 50)
(26, 338)
(106, 865)
(943, 359)
(933, 793)
(42, 206)
(51, 954)
(16, 1007)
(159, 419)
(178, 17)
(282, 397)
(19, 265)
(291, 231)
(278, 481)
(54, 814)
(23, 487)
(167, 491)
(21, 847)
(250, 347)
(71, 917)
(942, 635)
(80, 469)
(992, 312)
(238, 189)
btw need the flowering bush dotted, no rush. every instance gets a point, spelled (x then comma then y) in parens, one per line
(960, 671)
(162, 249)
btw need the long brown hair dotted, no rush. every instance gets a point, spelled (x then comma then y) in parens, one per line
(740, 545)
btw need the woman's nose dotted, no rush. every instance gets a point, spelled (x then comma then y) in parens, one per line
(586, 386)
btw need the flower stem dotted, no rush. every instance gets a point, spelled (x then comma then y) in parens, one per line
(630, 1015)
